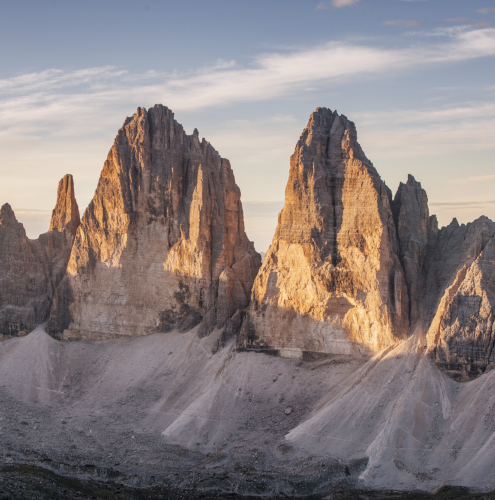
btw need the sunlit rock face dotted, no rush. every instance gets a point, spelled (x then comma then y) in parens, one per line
(352, 271)
(162, 245)
(31, 270)
(331, 281)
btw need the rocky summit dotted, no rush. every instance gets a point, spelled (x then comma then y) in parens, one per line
(31, 270)
(162, 245)
(353, 270)
(355, 361)
(332, 280)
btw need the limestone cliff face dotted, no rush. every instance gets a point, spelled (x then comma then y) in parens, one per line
(412, 219)
(350, 270)
(460, 291)
(162, 245)
(331, 281)
(449, 275)
(31, 270)
(56, 245)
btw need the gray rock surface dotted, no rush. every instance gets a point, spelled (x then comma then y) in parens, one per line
(31, 270)
(460, 287)
(162, 245)
(412, 219)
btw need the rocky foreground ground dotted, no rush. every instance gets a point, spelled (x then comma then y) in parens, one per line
(35, 483)
(171, 410)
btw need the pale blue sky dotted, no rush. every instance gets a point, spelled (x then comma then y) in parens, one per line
(417, 78)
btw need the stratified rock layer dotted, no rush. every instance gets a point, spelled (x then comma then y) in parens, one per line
(162, 245)
(349, 270)
(331, 281)
(31, 270)
(460, 291)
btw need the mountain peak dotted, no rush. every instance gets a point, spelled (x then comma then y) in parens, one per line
(65, 215)
(7, 215)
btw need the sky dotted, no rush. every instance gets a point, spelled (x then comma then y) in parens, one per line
(416, 76)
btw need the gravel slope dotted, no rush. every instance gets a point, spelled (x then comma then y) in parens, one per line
(169, 410)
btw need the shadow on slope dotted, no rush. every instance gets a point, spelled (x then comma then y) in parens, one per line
(419, 428)
(33, 368)
(166, 402)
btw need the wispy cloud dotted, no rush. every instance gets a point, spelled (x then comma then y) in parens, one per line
(428, 132)
(262, 208)
(336, 3)
(462, 204)
(463, 20)
(473, 180)
(35, 221)
(39, 96)
(441, 32)
(487, 10)
(459, 113)
(403, 23)
(53, 79)
(344, 3)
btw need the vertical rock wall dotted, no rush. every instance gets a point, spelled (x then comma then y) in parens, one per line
(31, 270)
(162, 244)
(460, 294)
(331, 281)
(412, 219)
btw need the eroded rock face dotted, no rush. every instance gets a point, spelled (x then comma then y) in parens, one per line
(460, 291)
(331, 281)
(162, 245)
(450, 283)
(31, 270)
(412, 220)
(65, 215)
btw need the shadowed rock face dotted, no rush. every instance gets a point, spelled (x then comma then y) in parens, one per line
(331, 281)
(461, 297)
(162, 245)
(412, 219)
(31, 270)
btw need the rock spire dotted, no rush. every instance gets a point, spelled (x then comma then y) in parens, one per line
(31, 270)
(65, 215)
(412, 219)
(162, 247)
